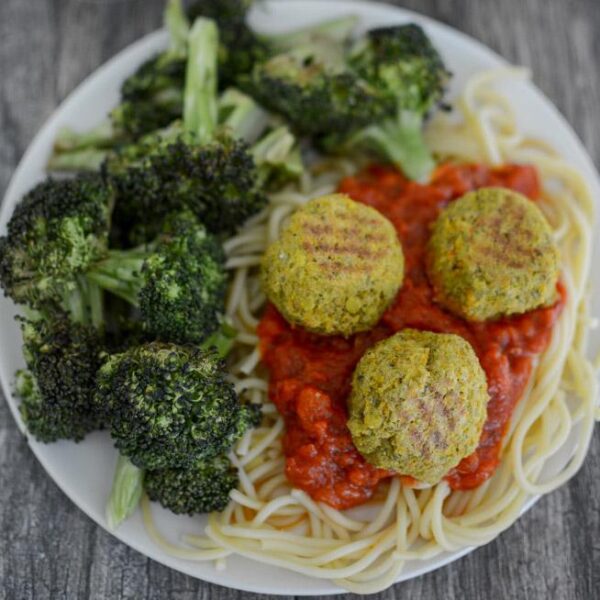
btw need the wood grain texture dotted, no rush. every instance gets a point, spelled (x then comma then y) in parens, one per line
(48, 548)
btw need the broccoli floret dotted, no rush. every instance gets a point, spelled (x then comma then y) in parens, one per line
(239, 46)
(152, 98)
(169, 405)
(55, 233)
(376, 96)
(128, 479)
(314, 91)
(200, 164)
(178, 282)
(200, 488)
(217, 181)
(401, 63)
(58, 386)
(190, 165)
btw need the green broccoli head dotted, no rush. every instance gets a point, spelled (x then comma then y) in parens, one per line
(57, 389)
(240, 48)
(163, 72)
(402, 63)
(170, 406)
(178, 282)
(200, 488)
(152, 97)
(313, 91)
(217, 181)
(185, 283)
(55, 233)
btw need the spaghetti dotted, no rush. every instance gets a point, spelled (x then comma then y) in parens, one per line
(364, 549)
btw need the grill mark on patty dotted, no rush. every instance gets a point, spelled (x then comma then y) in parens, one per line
(357, 250)
(317, 229)
(420, 442)
(428, 417)
(507, 253)
(352, 216)
(334, 268)
(362, 233)
(448, 415)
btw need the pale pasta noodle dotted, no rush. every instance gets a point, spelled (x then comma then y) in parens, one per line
(365, 549)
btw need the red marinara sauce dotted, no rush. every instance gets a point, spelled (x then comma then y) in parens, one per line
(310, 375)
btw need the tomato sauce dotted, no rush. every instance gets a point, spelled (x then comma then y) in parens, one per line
(310, 375)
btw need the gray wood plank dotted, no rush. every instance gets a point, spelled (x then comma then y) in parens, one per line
(48, 548)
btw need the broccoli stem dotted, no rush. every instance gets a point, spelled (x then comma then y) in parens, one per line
(178, 26)
(200, 93)
(76, 151)
(101, 136)
(337, 30)
(222, 339)
(83, 159)
(244, 118)
(84, 303)
(277, 153)
(95, 303)
(120, 273)
(126, 492)
(74, 304)
(401, 142)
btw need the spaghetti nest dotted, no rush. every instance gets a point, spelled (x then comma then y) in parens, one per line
(365, 549)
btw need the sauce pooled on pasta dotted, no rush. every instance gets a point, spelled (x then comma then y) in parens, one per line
(310, 375)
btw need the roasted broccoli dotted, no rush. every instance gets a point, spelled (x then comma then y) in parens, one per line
(200, 488)
(151, 98)
(374, 96)
(217, 181)
(58, 230)
(178, 281)
(239, 46)
(201, 164)
(169, 405)
(58, 386)
(311, 87)
(402, 65)
(128, 479)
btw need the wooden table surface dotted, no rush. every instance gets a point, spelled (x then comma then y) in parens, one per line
(48, 548)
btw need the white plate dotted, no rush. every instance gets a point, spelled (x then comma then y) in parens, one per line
(84, 472)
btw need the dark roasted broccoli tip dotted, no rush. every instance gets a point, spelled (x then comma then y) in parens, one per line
(178, 282)
(152, 97)
(216, 181)
(401, 61)
(169, 405)
(185, 287)
(315, 98)
(55, 233)
(406, 70)
(163, 72)
(58, 387)
(200, 488)
(239, 48)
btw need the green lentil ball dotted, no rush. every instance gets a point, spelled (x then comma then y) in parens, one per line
(491, 254)
(335, 268)
(418, 403)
